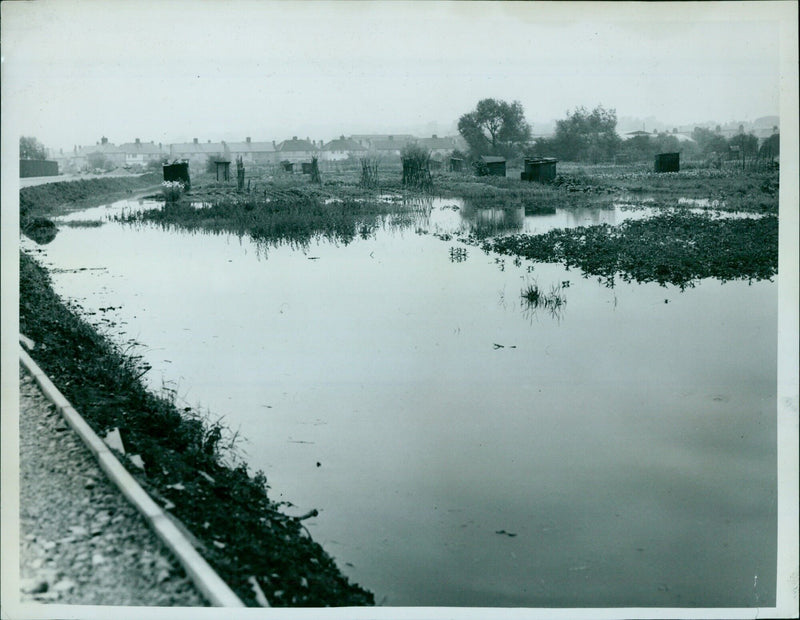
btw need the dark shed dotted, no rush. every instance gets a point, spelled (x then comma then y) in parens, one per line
(37, 168)
(223, 169)
(305, 167)
(287, 166)
(668, 162)
(177, 171)
(456, 164)
(495, 166)
(541, 169)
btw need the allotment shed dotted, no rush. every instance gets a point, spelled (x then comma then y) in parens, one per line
(668, 162)
(177, 171)
(540, 169)
(223, 169)
(37, 168)
(495, 166)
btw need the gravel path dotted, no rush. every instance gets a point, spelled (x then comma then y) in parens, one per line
(81, 542)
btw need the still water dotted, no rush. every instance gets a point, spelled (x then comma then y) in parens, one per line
(464, 450)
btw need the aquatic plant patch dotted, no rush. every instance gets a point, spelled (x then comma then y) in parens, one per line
(675, 247)
(290, 218)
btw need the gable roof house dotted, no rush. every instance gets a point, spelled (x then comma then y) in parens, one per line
(369, 140)
(439, 148)
(197, 153)
(254, 152)
(392, 146)
(110, 151)
(140, 153)
(295, 150)
(342, 148)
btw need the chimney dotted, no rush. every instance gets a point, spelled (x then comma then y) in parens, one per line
(195, 140)
(294, 137)
(433, 136)
(104, 140)
(741, 128)
(137, 141)
(248, 139)
(774, 129)
(273, 144)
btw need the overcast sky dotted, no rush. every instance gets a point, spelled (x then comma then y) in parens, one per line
(171, 71)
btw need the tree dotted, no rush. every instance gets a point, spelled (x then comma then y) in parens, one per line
(31, 148)
(771, 146)
(495, 128)
(587, 136)
(99, 161)
(709, 141)
(747, 143)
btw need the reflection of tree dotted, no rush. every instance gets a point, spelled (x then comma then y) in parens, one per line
(484, 219)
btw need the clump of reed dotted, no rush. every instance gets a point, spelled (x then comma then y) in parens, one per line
(416, 167)
(315, 177)
(172, 190)
(535, 297)
(369, 172)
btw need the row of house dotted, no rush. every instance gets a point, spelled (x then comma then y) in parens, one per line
(197, 153)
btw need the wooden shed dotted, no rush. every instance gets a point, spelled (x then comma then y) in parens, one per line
(456, 164)
(668, 162)
(287, 166)
(495, 166)
(177, 171)
(541, 169)
(37, 168)
(305, 167)
(223, 170)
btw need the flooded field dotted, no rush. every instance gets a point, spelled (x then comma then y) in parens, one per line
(464, 447)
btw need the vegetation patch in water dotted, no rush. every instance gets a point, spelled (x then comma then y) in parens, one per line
(670, 248)
(292, 219)
(241, 532)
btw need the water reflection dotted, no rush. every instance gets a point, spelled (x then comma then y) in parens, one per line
(628, 445)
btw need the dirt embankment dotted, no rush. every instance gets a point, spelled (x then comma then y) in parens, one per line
(243, 534)
(37, 204)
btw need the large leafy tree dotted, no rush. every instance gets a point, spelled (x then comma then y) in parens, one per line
(709, 141)
(31, 148)
(747, 143)
(587, 136)
(495, 128)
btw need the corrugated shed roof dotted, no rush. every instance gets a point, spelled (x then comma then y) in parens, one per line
(491, 159)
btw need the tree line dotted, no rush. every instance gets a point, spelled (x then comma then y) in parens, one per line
(499, 128)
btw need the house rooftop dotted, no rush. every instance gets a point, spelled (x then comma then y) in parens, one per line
(295, 145)
(343, 144)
